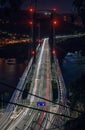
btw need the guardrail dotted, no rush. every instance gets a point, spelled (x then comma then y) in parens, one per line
(57, 121)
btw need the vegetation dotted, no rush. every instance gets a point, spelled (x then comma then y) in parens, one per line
(77, 124)
(77, 101)
(80, 7)
(77, 96)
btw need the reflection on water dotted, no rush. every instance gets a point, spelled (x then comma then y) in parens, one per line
(73, 67)
(10, 72)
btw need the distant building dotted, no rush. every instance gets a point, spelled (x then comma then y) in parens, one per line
(72, 18)
(67, 18)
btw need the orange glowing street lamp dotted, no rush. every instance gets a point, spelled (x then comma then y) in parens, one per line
(54, 9)
(30, 22)
(55, 22)
(31, 10)
(53, 51)
(33, 52)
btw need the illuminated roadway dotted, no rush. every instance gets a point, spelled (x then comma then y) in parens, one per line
(41, 86)
(29, 119)
(10, 108)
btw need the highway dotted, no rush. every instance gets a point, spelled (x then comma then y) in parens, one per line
(11, 109)
(41, 85)
(58, 121)
(5, 120)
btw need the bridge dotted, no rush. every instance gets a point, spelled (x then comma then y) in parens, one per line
(36, 112)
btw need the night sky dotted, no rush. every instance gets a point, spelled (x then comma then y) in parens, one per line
(61, 5)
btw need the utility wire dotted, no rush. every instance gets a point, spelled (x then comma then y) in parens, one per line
(18, 104)
(41, 97)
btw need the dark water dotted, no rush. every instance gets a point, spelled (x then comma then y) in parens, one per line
(10, 72)
(73, 67)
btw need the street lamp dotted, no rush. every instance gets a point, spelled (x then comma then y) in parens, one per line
(30, 23)
(33, 52)
(31, 10)
(53, 51)
(54, 22)
(54, 9)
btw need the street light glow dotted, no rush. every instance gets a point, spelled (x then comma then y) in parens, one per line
(55, 22)
(31, 22)
(31, 10)
(53, 52)
(54, 9)
(33, 52)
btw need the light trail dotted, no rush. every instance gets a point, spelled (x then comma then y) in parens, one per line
(38, 69)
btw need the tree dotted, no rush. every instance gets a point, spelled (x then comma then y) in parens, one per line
(78, 4)
(80, 7)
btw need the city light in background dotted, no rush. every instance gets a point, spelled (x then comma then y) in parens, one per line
(42, 64)
(13, 38)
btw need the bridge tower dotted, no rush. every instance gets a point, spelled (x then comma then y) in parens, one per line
(32, 10)
(53, 23)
